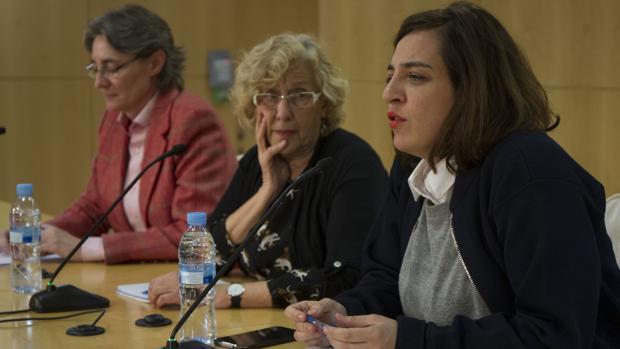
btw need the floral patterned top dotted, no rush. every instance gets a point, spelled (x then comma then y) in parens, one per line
(311, 247)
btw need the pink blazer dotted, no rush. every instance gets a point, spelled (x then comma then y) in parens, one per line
(193, 181)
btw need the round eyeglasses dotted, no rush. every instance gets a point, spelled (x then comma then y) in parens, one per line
(296, 100)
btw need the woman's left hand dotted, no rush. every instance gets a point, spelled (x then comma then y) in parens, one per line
(164, 289)
(364, 331)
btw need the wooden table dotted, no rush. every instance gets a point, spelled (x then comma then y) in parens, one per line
(119, 319)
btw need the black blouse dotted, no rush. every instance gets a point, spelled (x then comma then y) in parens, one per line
(311, 247)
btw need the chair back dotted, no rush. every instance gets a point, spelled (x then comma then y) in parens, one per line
(612, 222)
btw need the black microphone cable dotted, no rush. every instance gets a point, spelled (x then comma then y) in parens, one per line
(176, 150)
(55, 317)
(69, 297)
(10, 312)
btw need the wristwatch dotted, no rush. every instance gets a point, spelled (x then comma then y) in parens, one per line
(235, 291)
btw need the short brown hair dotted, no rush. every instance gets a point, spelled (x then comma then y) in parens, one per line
(136, 30)
(495, 89)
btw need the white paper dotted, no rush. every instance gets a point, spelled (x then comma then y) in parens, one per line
(139, 292)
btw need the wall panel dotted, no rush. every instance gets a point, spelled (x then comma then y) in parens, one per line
(569, 42)
(41, 38)
(589, 130)
(47, 140)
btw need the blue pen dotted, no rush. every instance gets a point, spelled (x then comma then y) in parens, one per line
(317, 323)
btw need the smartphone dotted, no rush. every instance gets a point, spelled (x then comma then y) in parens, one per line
(262, 338)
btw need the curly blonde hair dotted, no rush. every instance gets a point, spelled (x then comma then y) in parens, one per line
(267, 63)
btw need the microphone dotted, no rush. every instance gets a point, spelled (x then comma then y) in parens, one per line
(192, 344)
(69, 297)
(2, 130)
(176, 150)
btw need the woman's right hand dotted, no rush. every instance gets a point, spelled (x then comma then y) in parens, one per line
(324, 310)
(275, 170)
(4, 242)
(275, 173)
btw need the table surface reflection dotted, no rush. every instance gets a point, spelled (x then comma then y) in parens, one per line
(120, 316)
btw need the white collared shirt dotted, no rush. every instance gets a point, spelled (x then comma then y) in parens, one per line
(434, 186)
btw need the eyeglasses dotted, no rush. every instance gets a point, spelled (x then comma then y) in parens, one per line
(105, 71)
(296, 100)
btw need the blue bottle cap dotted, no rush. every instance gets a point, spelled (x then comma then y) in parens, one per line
(24, 189)
(197, 218)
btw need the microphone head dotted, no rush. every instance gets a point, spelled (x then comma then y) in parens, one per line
(178, 149)
(320, 167)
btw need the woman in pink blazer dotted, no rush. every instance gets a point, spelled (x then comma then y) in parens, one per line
(137, 68)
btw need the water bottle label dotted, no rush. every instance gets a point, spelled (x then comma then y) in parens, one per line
(24, 235)
(192, 278)
(197, 274)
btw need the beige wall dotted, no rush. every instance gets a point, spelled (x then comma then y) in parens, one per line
(51, 110)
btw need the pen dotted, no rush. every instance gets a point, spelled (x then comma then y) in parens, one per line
(318, 324)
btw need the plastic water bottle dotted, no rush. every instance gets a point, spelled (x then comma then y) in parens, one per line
(196, 270)
(24, 237)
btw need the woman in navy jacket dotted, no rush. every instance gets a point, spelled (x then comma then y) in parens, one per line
(491, 235)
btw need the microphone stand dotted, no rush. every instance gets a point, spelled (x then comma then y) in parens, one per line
(69, 297)
(192, 344)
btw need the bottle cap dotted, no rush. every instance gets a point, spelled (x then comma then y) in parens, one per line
(197, 218)
(24, 189)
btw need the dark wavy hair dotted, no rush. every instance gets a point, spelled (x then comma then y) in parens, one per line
(496, 91)
(134, 29)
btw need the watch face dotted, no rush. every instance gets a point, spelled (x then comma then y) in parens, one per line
(235, 290)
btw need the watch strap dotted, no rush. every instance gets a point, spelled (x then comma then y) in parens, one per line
(235, 302)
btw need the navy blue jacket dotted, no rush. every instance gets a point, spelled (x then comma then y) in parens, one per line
(528, 225)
